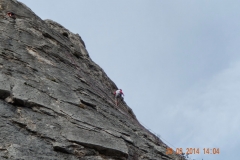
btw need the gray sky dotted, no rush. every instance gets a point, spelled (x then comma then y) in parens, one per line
(177, 62)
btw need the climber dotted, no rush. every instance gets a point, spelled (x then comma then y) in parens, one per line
(118, 96)
(11, 14)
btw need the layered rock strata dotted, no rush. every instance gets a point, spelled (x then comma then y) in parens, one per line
(56, 103)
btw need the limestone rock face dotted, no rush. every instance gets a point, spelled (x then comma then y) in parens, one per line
(56, 103)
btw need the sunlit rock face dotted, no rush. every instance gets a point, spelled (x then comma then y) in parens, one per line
(56, 103)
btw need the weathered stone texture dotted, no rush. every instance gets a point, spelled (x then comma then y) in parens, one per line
(56, 103)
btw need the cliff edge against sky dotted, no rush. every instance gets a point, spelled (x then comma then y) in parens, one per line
(56, 103)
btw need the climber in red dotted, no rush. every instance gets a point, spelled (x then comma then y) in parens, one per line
(118, 96)
(11, 14)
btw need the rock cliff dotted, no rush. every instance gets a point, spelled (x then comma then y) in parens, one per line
(56, 103)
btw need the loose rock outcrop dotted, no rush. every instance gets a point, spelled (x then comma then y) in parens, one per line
(56, 103)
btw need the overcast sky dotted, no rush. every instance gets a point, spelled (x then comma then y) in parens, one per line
(178, 63)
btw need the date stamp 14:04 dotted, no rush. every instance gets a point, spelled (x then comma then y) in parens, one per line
(189, 151)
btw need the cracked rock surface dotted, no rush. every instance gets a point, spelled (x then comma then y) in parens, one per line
(56, 103)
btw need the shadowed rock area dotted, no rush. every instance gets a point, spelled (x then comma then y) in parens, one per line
(56, 103)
